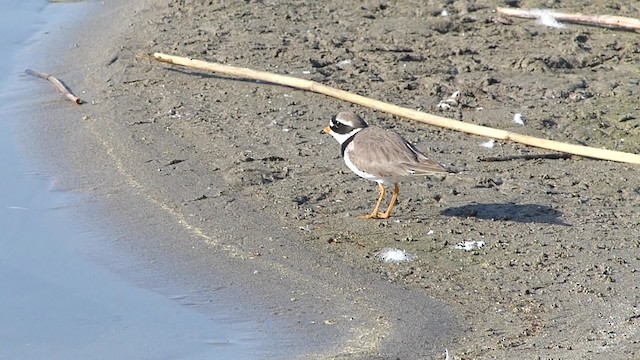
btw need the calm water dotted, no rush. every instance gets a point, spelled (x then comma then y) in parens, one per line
(56, 300)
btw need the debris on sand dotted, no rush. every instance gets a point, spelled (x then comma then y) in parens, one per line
(547, 18)
(469, 245)
(518, 119)
(450, 102)
(343, 63)
(489, 144)
(390, 255)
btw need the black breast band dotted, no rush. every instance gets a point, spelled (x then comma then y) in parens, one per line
(343, 148)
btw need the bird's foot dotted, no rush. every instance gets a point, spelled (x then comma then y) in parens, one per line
(377, 215)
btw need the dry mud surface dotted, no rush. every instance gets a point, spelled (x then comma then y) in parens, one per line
(236, 162)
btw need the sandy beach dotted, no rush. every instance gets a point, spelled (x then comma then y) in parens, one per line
(227, 183)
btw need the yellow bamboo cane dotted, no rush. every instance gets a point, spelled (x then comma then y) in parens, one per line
(400, 111)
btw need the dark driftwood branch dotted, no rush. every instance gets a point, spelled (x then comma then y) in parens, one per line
(57, 83)
(608, 21)
(419, 116)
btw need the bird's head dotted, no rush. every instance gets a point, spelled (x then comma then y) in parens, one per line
(344, 125)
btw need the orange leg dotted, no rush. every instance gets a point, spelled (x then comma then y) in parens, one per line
(387, 213)
(375, 214)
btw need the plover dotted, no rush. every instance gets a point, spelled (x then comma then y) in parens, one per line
(379, 155)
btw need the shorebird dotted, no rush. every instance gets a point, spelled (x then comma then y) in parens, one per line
(379, 155)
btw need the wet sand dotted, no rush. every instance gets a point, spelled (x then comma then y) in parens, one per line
(227, 183)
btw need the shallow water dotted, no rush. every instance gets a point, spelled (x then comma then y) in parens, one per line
(58, 299)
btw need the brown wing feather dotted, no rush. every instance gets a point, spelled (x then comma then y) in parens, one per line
(387, 154)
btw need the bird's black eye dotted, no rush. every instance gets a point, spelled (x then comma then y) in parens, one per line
(340, 128)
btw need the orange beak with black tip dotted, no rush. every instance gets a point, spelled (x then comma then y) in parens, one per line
(326, 130)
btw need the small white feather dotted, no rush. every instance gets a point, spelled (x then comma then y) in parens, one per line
(489, 144)
(390, 255)
(469, 245)
(448, 103)
(517, 118)
(547, 18)
(342, 63)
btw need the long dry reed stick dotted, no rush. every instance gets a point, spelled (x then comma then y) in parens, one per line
(400, 111)
(608, 21)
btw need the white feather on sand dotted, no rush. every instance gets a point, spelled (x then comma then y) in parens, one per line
(390, 255)
(547, 18)
(469, 245)
(518, 119)
(489, 144)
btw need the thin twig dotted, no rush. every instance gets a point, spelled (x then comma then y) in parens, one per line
(57, 83)
(608, 21)
(553, 156)
(400, 111)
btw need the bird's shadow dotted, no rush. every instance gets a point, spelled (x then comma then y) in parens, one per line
(524, 213)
